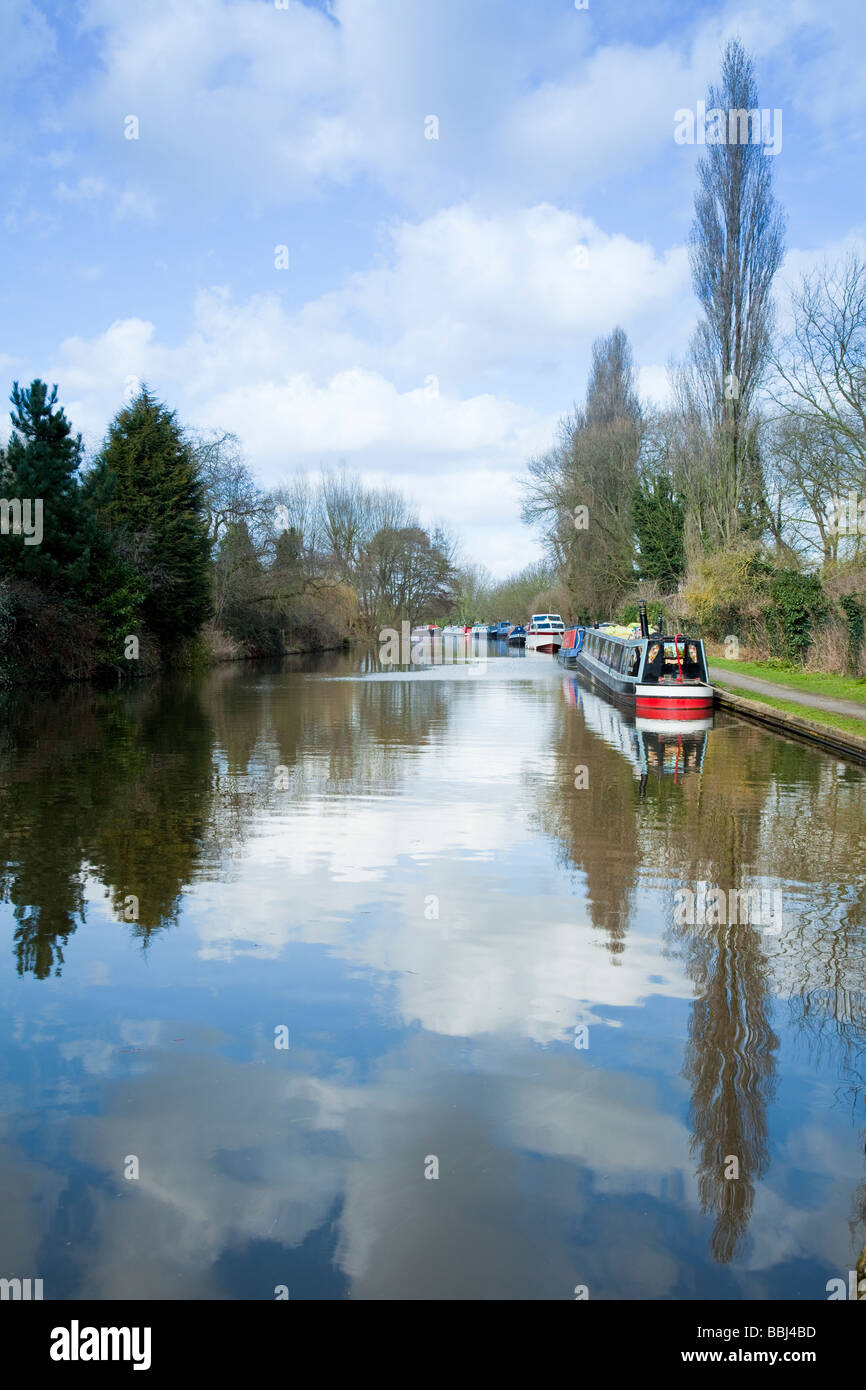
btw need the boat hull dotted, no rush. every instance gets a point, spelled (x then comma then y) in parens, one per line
(649, 701)
(547, 642)
(572, 641)
(674, 701)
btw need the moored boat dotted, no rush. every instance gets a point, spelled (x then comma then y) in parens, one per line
(544, 633)
(661, 677)
(572, 640)
(516, 636)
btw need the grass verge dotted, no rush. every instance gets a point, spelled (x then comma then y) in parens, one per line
(815, 716)
(815, 682)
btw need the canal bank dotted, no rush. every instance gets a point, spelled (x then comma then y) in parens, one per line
(773, 709)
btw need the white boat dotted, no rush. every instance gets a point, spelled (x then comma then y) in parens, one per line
(544, 633)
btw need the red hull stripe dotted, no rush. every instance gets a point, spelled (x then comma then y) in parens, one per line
(690, 707)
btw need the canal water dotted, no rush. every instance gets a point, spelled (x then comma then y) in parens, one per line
(327, 981)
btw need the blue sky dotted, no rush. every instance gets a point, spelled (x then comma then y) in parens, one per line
(442, 295)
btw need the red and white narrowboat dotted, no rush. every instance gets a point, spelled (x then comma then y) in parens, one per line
(660, 677)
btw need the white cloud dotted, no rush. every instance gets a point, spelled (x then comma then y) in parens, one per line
(372, 367)
(85, 190)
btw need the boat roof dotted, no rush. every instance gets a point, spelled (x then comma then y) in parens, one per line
(632, 633)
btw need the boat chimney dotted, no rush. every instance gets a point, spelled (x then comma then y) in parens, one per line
(644, 625)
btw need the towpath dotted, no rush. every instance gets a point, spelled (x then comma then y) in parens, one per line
(855, 709)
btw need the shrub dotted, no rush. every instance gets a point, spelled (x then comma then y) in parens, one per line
(726, 593)
(797, 602)
(854, 622)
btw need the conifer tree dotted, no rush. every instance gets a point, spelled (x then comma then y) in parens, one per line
(40, 466)
(146, 489)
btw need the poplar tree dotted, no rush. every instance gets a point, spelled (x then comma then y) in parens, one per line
(736, 246)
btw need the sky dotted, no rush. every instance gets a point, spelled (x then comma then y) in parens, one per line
(383, 234)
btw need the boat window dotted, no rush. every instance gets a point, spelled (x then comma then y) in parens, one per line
(655, 660)
(633, 662)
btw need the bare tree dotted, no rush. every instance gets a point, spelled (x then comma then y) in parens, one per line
(405, 574)
(581, 492)
(231, 494)
(821, 392)
(808, 473)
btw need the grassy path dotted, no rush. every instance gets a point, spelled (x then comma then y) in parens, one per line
(841, 696)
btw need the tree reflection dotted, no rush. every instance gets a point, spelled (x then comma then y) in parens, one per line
(114, 786)
(759, 810)
(141, 789)
(730, 1064)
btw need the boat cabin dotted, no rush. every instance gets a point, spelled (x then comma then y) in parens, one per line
(656, 655)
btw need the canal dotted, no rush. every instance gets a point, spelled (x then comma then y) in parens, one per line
(330, 981)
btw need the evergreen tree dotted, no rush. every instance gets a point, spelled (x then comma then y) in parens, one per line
(146, 489)
(659, 522)
(39, 475)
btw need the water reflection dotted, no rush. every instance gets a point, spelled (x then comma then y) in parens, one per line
(406, 870)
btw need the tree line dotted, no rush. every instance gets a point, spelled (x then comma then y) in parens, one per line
(741, 506)
(162, 549)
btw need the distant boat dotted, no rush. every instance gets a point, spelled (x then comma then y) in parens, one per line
(544, 633)
(516, 637)
(572, 640)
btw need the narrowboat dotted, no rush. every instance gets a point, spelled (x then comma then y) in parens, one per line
(517, 636)
(544, 633)
(659, 676)
(572, 640)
